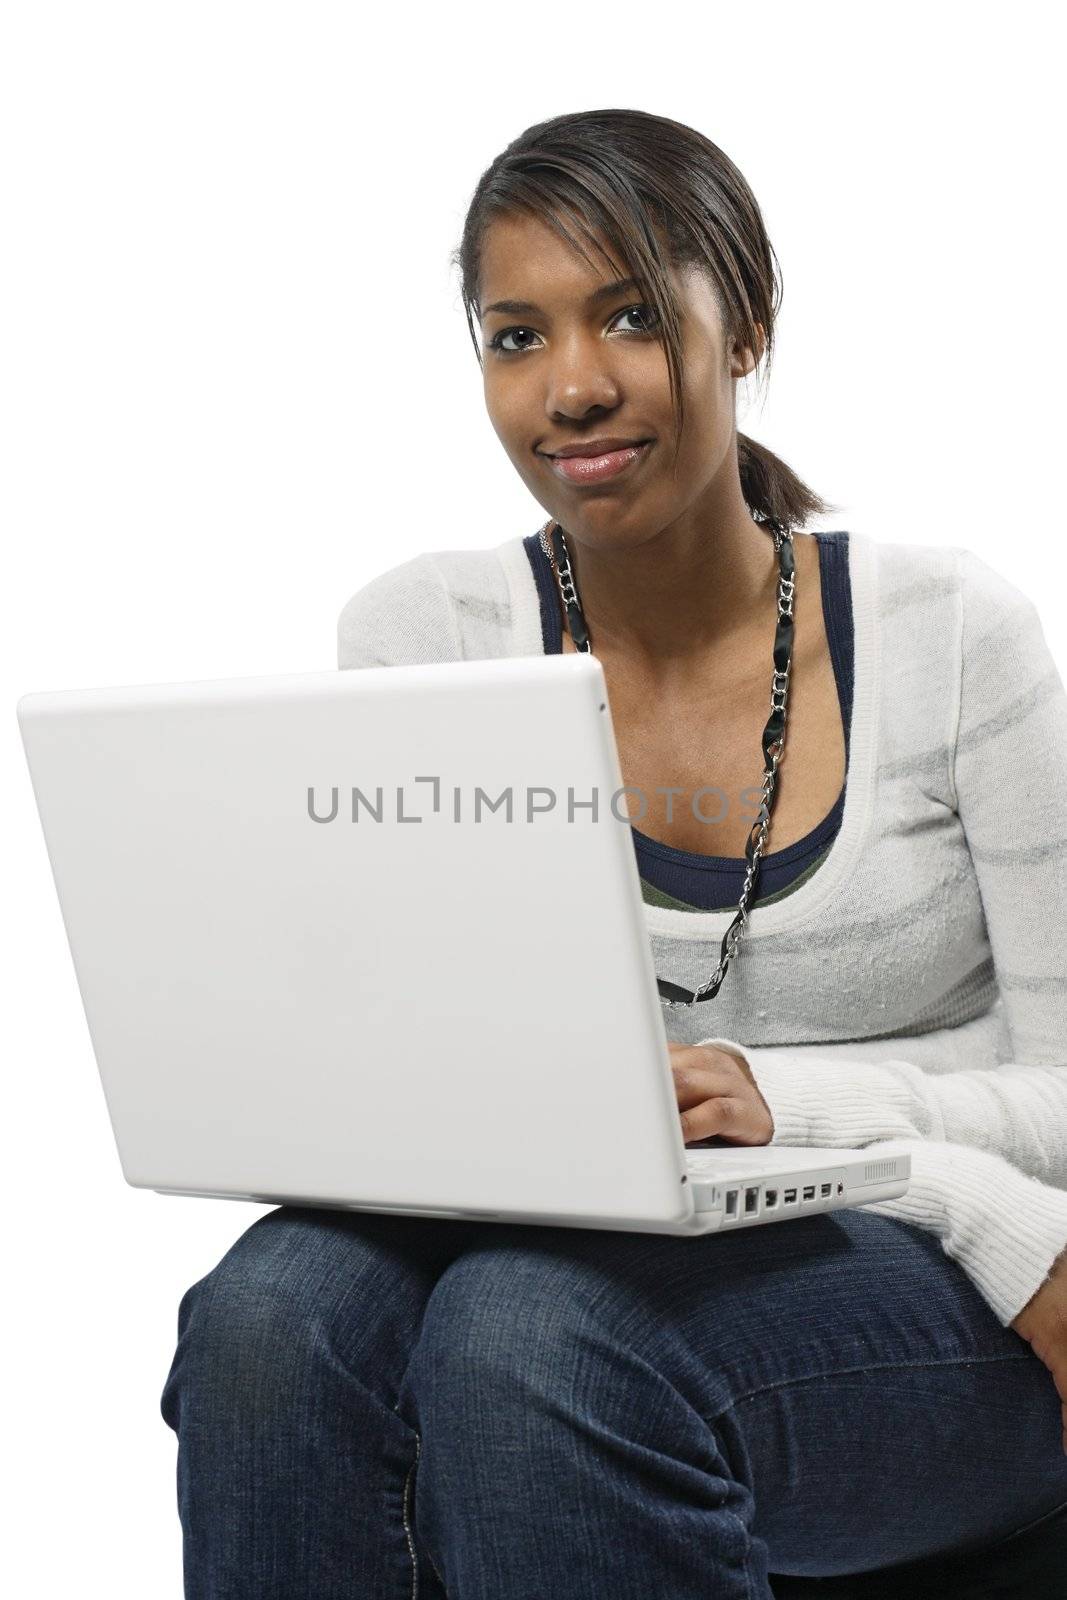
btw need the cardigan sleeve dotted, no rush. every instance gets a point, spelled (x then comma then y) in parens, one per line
(402, 617)
(989, 1146)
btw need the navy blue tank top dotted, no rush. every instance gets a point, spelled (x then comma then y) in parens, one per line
(684, 879)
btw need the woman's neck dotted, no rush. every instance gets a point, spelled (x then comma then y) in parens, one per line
(680, 597)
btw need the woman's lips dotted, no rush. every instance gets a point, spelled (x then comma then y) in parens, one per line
(593, 469)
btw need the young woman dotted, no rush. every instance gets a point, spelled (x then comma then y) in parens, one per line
(874, 900)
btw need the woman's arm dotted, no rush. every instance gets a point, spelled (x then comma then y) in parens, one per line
(988, 1133)
(1010, 780)
(1003, 1229)
(1015, 1111)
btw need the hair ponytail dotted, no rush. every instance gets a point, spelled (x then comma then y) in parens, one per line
(773, 492)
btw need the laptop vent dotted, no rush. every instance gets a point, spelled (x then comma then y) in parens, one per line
(875, 1171)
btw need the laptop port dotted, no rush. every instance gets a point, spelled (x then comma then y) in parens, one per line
(731, 1202)
(809, 1193)
(751, 1199)
(770, 1199)
(790, 1197)
(825, 1188)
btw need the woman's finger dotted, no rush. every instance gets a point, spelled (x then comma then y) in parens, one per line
(717, 1098)
(722, 1115)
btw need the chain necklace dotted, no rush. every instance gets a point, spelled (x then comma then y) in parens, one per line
(672, 994)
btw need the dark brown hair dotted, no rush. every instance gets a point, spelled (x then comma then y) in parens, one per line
(660, 194)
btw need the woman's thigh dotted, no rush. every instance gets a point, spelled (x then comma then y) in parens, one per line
(294, 1467)
(860, 1389)
(309, 1283)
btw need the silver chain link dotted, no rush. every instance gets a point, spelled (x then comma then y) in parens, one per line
(779, 696)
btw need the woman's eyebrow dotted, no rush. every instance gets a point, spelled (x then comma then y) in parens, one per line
(525, 308)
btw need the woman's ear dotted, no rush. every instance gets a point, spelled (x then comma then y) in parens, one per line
(742, 359)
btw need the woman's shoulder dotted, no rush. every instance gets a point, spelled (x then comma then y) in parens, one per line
(439, 605)
(912, 570)
(906, 566)
(944, 602)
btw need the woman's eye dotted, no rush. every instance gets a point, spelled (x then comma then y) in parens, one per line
(496, 342)
(649, 319)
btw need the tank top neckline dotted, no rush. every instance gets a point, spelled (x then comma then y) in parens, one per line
(832, 546)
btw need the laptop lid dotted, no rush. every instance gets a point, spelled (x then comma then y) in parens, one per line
(317, 967)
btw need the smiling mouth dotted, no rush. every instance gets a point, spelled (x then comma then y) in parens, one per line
(594, 469)
(587, 455)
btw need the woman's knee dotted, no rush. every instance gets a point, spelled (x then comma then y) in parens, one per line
(509, 1323)
(301, 1292)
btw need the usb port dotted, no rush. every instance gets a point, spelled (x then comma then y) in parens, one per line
(825, 1188)
(731, 1202)
(809, 1193)
(770, 1199)
(790, 1197)
(751, 1197)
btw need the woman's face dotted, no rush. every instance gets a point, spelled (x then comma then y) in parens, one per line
(568, 367)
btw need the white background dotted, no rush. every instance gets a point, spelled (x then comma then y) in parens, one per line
(236, 383)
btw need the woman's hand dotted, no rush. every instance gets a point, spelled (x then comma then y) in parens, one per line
(1042, 1322)
(717, 1095)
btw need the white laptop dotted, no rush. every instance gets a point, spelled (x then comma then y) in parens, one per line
(318, 969)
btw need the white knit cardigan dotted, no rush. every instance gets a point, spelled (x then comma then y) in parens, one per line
(915, 986)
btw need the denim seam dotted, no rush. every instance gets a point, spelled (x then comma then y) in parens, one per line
(407, 1523)
(746, 1534)
(877, 1366)
(1028, 1527)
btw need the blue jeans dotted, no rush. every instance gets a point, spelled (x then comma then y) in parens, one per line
(381, 1407)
